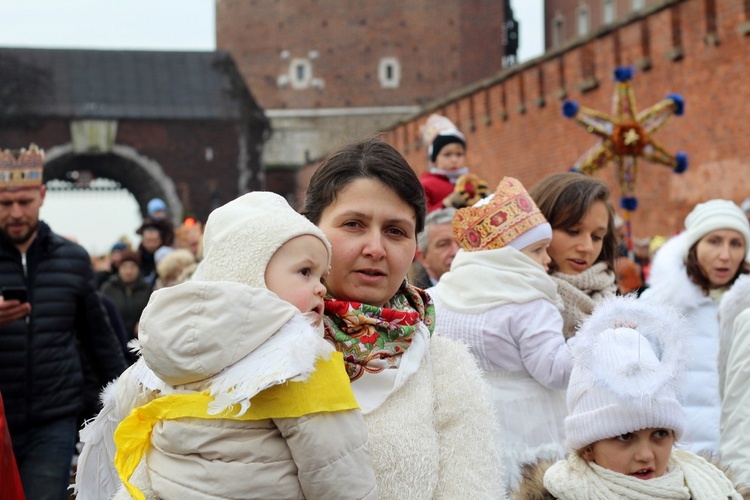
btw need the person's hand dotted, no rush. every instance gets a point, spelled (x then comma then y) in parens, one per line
(11, 310)
(457, 199)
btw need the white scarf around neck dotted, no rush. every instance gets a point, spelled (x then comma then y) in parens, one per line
(452, 175)
(486, 279)
(688, 476)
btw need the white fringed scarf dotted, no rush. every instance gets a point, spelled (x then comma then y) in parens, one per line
(688, 476)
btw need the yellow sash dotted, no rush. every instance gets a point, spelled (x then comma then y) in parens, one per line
(326, 390)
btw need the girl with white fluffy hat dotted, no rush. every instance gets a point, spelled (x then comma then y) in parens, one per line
(625, 421)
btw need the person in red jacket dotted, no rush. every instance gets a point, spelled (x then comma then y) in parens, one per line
(10, 480)
(448, 183)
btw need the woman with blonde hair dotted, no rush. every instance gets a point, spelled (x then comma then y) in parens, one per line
(175, 268)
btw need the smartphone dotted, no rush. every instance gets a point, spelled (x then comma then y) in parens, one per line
(15, 293)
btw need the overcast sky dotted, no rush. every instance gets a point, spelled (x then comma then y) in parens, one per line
(160, 24)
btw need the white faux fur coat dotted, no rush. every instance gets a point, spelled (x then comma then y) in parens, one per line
(433, 437)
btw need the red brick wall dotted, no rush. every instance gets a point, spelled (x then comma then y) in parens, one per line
(568, 11)
(441, 45)
(534, 141)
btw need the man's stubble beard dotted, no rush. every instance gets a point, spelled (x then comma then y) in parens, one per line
(16, 240)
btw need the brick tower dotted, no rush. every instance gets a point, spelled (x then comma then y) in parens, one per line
(327, 71)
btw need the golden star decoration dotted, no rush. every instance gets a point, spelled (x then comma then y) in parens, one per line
(626, 136)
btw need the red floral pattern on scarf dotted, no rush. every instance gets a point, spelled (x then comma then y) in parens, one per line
(373, 338)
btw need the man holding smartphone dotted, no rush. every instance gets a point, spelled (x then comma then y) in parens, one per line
(50, 339)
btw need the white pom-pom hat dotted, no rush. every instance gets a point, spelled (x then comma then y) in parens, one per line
(629, 359)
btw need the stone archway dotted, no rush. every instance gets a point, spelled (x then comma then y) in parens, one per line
(140, 175)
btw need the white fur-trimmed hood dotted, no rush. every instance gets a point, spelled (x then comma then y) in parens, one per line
(227, 338)
(668, 281)
(242, 236)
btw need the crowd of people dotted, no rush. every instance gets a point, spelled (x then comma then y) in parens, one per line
(127, 276)
(401, 337)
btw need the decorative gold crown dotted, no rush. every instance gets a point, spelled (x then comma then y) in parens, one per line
(23, 171)
(508, 214)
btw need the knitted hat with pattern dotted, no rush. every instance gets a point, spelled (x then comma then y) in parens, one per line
(629, 357)
(242, 236)
(508, 217)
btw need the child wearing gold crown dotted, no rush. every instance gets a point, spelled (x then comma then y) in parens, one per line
(448, 183)
(237, 394)
(499, 299)
(625, 419)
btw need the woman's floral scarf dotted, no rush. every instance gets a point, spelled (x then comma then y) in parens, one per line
(372, 338)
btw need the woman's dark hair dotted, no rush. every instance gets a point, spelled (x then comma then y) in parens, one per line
(694, 272)
(564, 199)
(368, 159)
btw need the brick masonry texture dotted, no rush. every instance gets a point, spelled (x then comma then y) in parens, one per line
(515, 127)
(440, 44)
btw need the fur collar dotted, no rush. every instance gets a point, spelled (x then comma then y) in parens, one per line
(669, 282)
(531, 483)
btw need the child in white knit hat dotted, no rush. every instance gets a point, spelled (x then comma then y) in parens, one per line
(236, 394)
(499, 299)
(624, 414)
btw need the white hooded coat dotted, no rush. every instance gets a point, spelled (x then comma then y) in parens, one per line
(699, 396)
(226, 334)
(734, 372)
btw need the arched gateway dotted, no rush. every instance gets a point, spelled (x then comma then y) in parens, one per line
(140, 175)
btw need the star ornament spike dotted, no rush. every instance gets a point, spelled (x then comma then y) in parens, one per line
(625, 136)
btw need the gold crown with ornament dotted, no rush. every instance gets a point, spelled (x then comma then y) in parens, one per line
(21, 170)
(497, 220)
